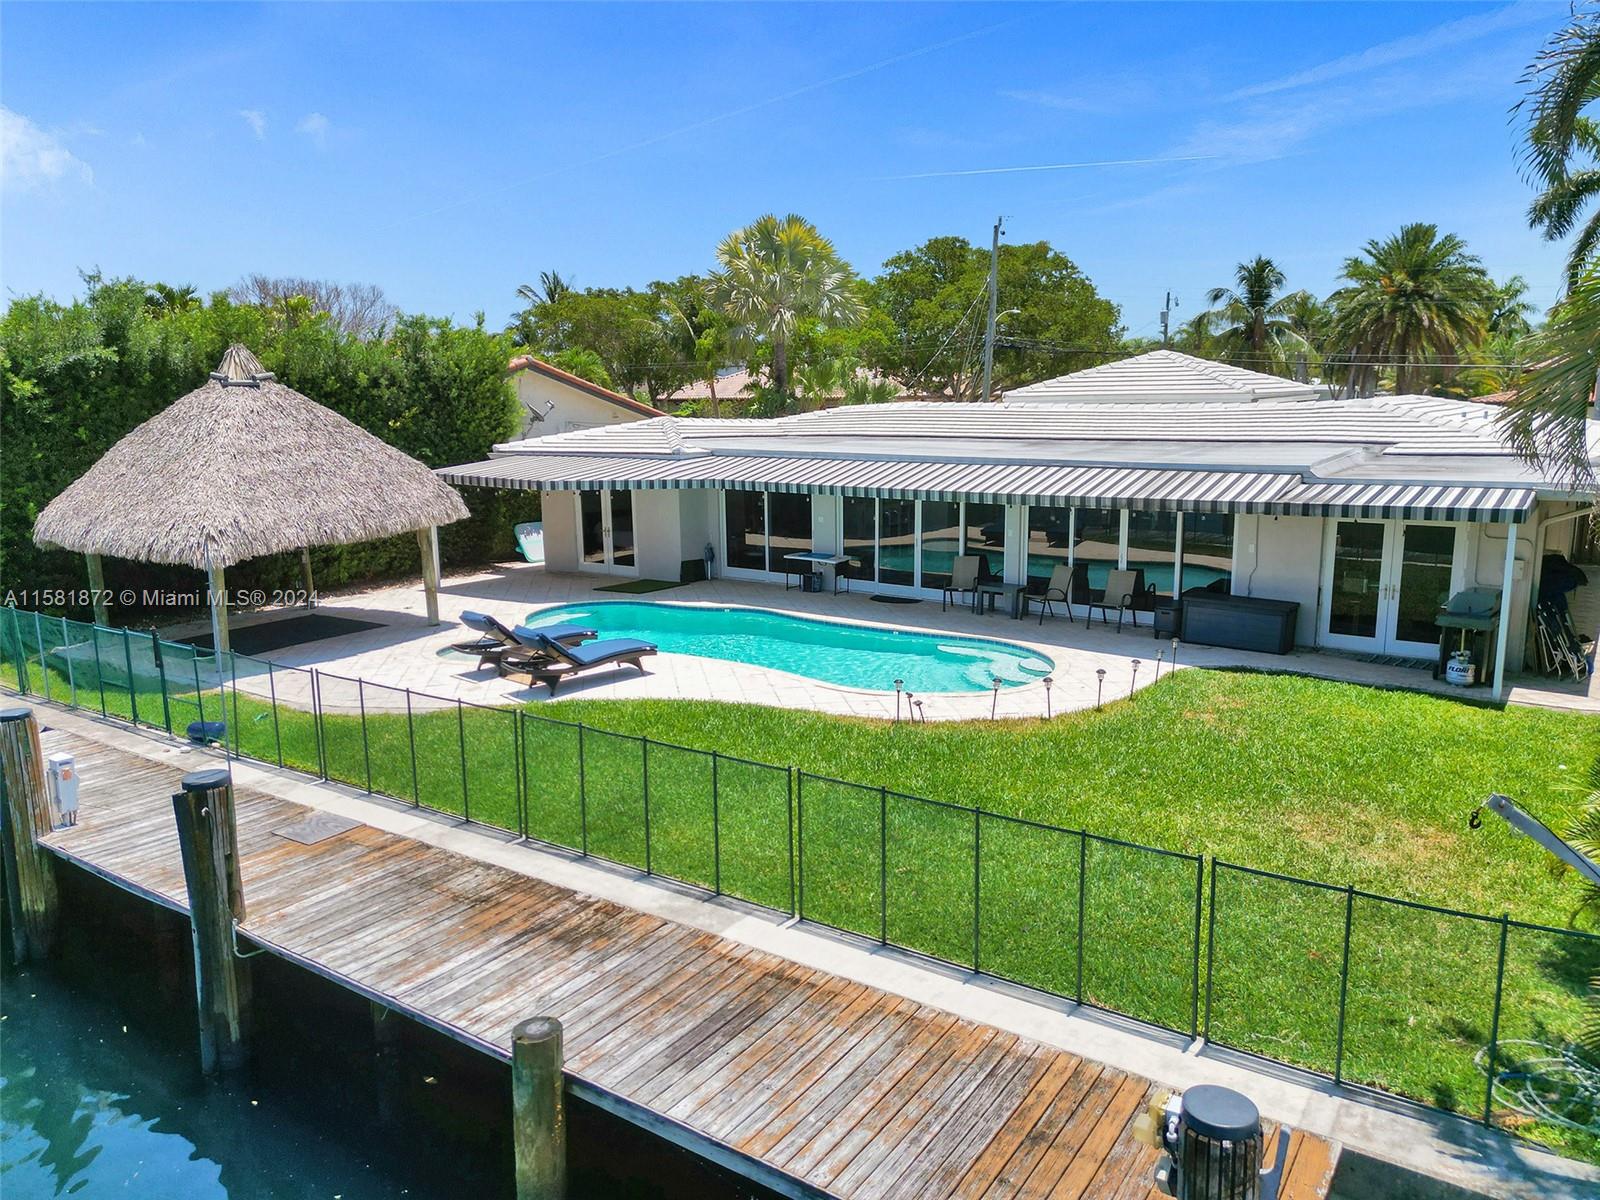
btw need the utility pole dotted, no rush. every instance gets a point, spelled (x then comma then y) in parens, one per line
(1166, 314)
(994, 296)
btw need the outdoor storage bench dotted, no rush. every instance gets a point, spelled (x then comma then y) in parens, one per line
(1240, 622)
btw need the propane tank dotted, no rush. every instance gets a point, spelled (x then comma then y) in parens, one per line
(1212, 1140)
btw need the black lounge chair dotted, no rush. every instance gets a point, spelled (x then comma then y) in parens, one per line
(559, 661)
(495, 640)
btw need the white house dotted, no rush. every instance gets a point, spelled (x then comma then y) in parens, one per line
(556, 401)
(1366, 512)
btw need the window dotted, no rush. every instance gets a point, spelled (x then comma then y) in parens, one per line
(745, 521)
(1208, 551)
(897, 541)
(1049, 543)
(941, 541)
(1098, 532)
(984, 528)
(861, 534)
(788, 526)
(1153, 549)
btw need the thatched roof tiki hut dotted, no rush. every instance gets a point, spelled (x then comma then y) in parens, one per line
(240, 467)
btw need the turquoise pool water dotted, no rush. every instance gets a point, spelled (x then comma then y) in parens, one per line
(857, 656)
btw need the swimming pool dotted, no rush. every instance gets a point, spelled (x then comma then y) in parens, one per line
(857, 656)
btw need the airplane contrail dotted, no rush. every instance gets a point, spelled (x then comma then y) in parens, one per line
(1066, 166)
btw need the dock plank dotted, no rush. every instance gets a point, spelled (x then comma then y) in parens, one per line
(808, 1082)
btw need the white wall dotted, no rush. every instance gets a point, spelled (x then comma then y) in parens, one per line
(1486, 565)
(559, 512)
(573, 407)
(658, 533)
(1280, 558)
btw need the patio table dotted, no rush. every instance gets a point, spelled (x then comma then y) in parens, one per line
(806, 560)
(990, 591)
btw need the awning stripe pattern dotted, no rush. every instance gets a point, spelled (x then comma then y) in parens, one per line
(1170, 489)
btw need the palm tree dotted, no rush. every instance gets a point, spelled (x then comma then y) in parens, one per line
(550, 288)
(1509, 308)
(161, 299)
(1565, 82)
(1256, 318)
(1545, 419)
(1414, 301)
(776, 273)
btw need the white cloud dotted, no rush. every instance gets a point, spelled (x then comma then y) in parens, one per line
(1418, 45)
(315, 126)
(31, 157)
(257, 120)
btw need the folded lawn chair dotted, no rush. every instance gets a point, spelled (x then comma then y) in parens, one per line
(495, 639)
(560, 661)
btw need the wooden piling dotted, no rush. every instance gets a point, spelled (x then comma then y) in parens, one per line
(208, 840)
(25, 807)
(387, 1072)
(539, 1119)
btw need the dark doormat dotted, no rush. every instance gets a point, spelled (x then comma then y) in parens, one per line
(275, 635)
(895, 600)
(635, 587)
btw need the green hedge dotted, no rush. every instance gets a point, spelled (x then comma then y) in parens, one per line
(74, 378)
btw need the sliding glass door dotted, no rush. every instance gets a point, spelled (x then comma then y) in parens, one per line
(759, 528)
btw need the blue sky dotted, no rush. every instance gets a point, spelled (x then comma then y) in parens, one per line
(449, 153)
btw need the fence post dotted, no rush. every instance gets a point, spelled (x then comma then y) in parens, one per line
(977, 889)
(1194, 976)
(99, 669)
(161, 670)
(1211, 947)
(127, 657)
(411, 739)
(208, 838)
(583, 797)
(1344, 984)
(716, 829)
(521, 780)
(272, 694)
(538, 1113)
(366, 753)
(1494, 1023)
(22, 655)
(461, 734)
(27, 814)
(316, 722)
(883, 865)
(797, 841)
(38, 640)
(644, 780)
(1083, 872)
(199, 701)
(72, 676)
(233, 697)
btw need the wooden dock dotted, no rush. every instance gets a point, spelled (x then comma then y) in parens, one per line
(806, 1083)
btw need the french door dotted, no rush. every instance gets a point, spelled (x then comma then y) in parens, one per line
(605, 532)
(1383, 583)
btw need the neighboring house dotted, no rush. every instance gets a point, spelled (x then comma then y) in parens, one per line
(734, 388)
(556, 401)
(1367, 512)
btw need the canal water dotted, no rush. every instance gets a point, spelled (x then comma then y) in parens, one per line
(101, 1095)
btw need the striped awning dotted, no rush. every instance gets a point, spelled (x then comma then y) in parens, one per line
(1145, 488)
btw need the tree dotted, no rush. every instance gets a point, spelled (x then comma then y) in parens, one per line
(163, 299)
(585, 364)
(697, 331)
(624, 328)
(1509, 307)
(776, 273)
(1258, 330)
(360, 310)
(1562, 151)
(933, 296)
(1415, 301)
(550, 288)
(1545, 420)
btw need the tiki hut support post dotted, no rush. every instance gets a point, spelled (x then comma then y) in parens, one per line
(217, 583)
(97, 587)
(428, 543)
(305, 571)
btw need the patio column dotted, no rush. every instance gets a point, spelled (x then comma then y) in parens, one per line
(97, 586)
(1502, 635)
(428, 543)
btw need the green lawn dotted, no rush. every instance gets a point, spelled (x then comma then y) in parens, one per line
(1319, 780)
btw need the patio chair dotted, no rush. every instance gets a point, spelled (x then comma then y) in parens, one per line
(562, 661)
(495, 640)
(1123, 594)
(963, 580)
(1056, 589)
